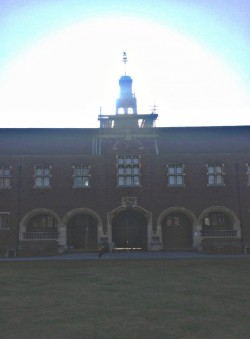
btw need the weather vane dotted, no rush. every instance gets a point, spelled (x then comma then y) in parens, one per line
(124, 60)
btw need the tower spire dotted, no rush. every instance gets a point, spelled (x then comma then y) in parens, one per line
(126, 107)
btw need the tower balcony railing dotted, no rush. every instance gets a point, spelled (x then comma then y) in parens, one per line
(219, 233)
(40, 236)
(128, 120)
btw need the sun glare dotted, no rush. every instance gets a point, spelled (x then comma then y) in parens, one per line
(64, 78)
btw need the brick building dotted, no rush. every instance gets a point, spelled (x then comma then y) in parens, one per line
(128, 184)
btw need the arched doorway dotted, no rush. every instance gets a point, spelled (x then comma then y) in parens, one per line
(82, 232)
(177, 232)
(129, 230)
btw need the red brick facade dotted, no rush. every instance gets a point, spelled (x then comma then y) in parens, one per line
(190, 189)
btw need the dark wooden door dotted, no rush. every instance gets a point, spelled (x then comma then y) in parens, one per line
(129, 230)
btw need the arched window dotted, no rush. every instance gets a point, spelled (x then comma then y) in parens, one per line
(216, 220)
(120, 110)
(42, 223)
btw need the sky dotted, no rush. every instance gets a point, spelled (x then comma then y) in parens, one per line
(61, 60)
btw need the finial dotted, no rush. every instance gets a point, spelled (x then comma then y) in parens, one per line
(124, 60)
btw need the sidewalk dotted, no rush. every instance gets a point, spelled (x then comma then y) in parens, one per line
(129, 256)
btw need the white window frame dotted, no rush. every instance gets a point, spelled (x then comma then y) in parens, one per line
(81, 176)
(175, 175)
(43, 176)
(128, 170)
(215, 175)
(5, 177)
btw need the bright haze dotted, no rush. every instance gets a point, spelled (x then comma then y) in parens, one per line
(61, 61)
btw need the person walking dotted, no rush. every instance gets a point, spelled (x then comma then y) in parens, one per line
(101, 250)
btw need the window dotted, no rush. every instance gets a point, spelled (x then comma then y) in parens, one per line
(42, 223)
(215, 175)
(128, 170)
(4, 221)
(81, 176)
(175, 175)
(5, 175)
(42, 176)
(173, 220)
(215, 219)
(248, 175)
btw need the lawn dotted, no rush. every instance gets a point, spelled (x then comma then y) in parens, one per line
(174, 298)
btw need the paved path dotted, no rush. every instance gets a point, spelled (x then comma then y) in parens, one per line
(129, 255)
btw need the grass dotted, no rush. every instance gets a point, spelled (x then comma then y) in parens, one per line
(194, 298)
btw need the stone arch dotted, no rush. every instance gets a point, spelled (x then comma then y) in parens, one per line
(222, 209)
(139, 209)
(81, 210)
(135, 209)
(31, 214)
(98, 227)
(190, 218)
(173, 209)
